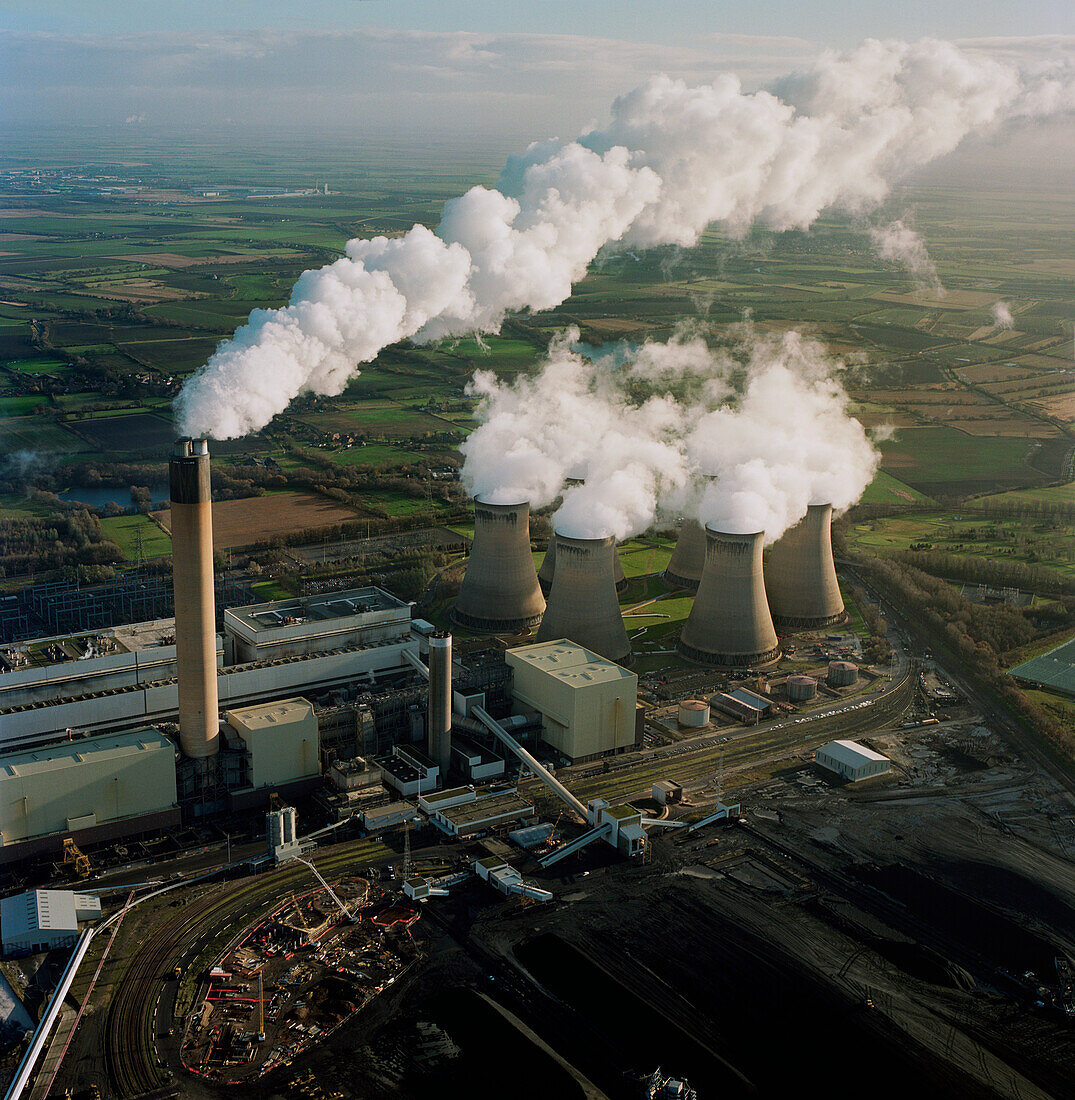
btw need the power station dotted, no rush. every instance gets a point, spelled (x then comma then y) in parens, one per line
(500, 592)
(800, 575)
(548, 569)
(582, 603)
(149, 725)
(730, 623)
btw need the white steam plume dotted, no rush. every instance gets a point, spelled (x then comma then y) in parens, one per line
(1002, 315)
(673, 160)
(744, 437)
(901, 245)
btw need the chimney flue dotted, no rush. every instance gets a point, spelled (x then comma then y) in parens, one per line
(195, 600)
(439, 716)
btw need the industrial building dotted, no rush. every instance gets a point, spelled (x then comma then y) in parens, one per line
(800, 576)
(41, 920)
(729, 623)
(465, 811)
(407, 769)
(96, 790)
(688, 557)
(851, 760)
(583, 605)
(587, 704)
(500, 593)
(281, 743)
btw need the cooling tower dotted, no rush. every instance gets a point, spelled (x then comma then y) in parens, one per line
(440, 702)
(730, 623)
(548, 568)
(195, 602)
(582, 604)
(688, 558)
(800, 577)
(500, 592)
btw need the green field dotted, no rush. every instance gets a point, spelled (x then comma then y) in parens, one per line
(941, 456)
(886, 489)
(125, 531)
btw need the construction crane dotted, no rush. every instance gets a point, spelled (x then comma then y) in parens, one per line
(328, 889)
(73, 856)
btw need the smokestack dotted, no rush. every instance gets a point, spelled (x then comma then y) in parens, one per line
(800, 576)
(195, 601)
(439, 718)
(548, 568)
(500, 592)
(582, 604)
(688, 558)
(730, 623)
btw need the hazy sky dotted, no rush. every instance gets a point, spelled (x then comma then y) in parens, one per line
(501, 68)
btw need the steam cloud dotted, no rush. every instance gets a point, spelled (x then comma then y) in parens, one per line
(902, 245)
(1002, 315)
(744, 437)
(673, 160)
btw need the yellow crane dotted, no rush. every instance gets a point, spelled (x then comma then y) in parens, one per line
(73, 857)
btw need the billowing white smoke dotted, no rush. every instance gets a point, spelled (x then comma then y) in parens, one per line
(1002, 315)
(673, 160)
(901, 245)
(744, 438)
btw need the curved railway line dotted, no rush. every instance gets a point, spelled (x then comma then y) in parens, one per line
(192, 938)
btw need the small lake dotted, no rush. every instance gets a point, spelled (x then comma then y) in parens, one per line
(103, 495)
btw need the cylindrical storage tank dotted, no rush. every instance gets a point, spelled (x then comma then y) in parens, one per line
(195, 599)
(800, 577)
(582, 604)
(729, 624)
(693, 713)
(500, 592)
(842, 674)
(548, 568)
(801, 688)
(440, 702)
(688, 558)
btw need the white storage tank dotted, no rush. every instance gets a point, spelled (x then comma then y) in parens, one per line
(693, 713)
(801, 688)
(842, 673)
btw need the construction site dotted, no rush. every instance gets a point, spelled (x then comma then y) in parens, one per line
(627, 883)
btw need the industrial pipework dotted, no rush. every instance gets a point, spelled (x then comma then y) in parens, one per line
(195, 599)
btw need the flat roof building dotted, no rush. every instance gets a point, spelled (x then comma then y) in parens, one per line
(316, 624)
(41, 920)
(87, 787)
(852, 760)
(470, 813)
(587, 703)
(281, 740)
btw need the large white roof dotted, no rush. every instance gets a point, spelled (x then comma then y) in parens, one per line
(851, 753)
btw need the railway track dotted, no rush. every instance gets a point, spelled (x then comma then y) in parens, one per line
(192, 938)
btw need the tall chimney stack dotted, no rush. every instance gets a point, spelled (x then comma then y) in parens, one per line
(582, 604)
(730, 624)
(800, 576)
(688, 558)
(195, 600)
(439, 718)
(547, 572)
(500, 592)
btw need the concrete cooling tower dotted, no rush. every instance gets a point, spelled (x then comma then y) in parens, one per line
(195, 600)
(730, 623)
(688, 558)
(800, 577)
(582, 604)
(548, 568)
(500, 593)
